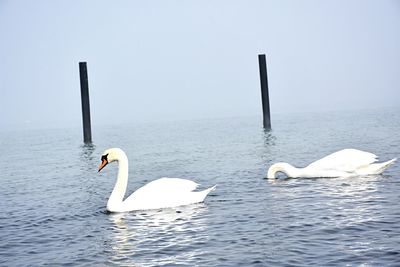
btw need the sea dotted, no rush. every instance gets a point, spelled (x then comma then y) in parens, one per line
(53, 200)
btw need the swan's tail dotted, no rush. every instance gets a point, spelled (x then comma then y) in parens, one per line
(204, 193)
(380, 167)
(209, 190)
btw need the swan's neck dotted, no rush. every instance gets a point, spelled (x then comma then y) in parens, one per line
(286, 168)
(118, 193)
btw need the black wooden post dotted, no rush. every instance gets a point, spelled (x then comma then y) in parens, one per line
(87, 131)
(264, 91)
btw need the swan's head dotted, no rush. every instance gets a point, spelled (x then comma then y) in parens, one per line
(284, 167)
(110, 155)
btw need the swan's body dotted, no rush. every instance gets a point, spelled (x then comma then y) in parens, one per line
(160, 193)
(343, 163)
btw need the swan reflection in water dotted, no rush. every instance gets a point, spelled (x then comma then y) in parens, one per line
(356, 200)
(156, 237)
(352, 207)
(348, 199)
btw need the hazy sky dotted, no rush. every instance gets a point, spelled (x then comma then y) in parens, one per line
(182, 59)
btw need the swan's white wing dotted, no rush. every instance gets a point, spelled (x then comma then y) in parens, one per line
(347, 160)
(170, 185)
(163, 192)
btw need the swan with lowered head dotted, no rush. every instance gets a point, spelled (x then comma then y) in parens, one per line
(160, 193)
(343, 163)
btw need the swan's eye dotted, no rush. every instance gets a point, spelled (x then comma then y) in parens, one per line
(104, 157)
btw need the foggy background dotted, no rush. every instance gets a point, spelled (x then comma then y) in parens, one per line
(176, 60)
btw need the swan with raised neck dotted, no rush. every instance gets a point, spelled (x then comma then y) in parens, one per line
(160, 193)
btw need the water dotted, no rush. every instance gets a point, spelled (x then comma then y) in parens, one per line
(53, 200)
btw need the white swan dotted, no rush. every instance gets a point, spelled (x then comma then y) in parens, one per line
(343, 163)
(160, 193)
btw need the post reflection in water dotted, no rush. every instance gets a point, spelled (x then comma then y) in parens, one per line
(167, 236)
(87, 151)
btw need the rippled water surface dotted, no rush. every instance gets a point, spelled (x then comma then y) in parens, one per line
(52, 199)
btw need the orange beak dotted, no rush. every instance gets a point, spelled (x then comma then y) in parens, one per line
(103, 164)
